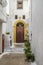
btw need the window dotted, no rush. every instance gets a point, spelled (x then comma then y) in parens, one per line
(23, 16)
(19, 4)
(16, 17)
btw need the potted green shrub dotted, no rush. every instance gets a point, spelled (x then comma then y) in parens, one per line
(7, 39)
(28, 53)
(7, 33)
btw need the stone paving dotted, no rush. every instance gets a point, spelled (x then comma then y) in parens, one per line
(13, 59)
(14, 56)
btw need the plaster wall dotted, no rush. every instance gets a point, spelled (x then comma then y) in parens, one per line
(37, 30)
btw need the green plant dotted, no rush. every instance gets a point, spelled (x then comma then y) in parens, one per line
(28, 53)
(32, 58)
(7, 33)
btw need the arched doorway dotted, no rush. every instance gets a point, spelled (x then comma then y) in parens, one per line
(20, 32)
(19, 25)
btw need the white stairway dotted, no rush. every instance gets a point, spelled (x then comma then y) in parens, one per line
(17, 48)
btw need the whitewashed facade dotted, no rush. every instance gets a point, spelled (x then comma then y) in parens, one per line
(3, 4)
(37, 30)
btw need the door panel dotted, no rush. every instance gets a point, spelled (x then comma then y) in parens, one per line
(20, 34)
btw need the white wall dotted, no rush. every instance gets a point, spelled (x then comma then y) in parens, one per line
(2, 20)
(3, 28)
(3, 10)
(2, 14)
(37, 30)
(14, 11)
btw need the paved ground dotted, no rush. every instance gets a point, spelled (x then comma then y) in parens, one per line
(14, 56)
(13, 59)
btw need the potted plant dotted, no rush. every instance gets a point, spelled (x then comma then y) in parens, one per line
(7, 39)
(7, 33)
(28, 53)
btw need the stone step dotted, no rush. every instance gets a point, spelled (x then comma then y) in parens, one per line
(19, 45)
(15, 50)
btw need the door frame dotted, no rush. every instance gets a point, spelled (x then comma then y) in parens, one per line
(14, 29)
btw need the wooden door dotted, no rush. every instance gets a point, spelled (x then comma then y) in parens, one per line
(20, 34)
